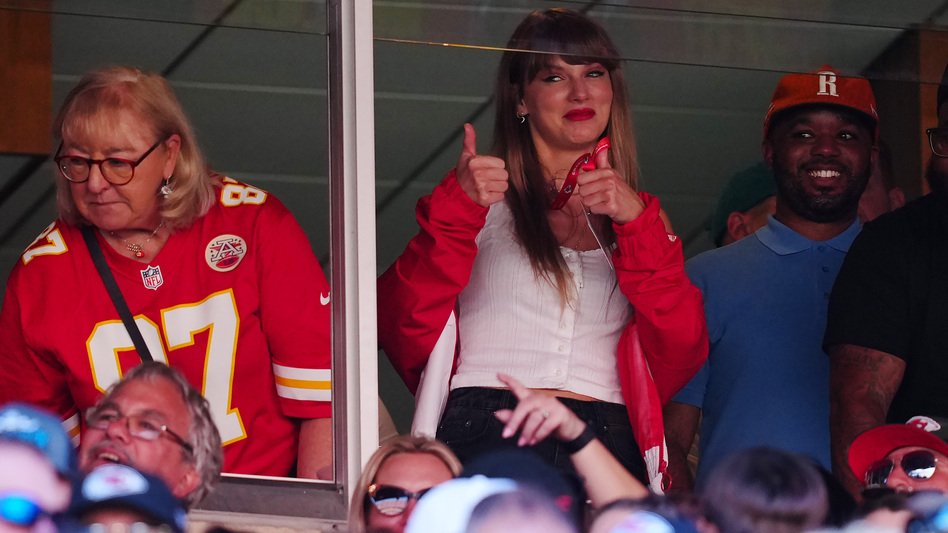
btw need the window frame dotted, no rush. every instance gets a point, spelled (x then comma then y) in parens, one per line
(255, 500)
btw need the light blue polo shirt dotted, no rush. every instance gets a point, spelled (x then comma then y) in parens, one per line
(766, 381)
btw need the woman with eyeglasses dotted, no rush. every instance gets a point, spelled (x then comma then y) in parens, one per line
(398, 473)
(558, 271)
(218, 279)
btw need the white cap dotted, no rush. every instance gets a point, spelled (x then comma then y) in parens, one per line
(447, 508)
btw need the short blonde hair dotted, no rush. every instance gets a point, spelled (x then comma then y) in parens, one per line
(98, 97)
(396, 446)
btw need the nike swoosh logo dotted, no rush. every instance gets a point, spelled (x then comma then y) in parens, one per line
(323, 299)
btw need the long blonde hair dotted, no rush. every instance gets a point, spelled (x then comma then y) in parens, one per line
(577, 40)
(98, 97)
(398, 445)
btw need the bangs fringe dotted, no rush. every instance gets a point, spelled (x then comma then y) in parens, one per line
(564, 34)
(93, 112)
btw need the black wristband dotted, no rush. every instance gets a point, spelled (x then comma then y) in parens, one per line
(579, 442)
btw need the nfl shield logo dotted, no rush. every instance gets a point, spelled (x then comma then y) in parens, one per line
(151, 277)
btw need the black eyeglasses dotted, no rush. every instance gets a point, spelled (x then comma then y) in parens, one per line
(143, 426)
(917, 465)
(19, 509)
(115, 170)
(389, 500)
(938, 140)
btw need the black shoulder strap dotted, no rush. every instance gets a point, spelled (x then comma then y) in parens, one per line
(99, 259)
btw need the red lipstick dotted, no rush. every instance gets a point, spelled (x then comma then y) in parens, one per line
(580, 114)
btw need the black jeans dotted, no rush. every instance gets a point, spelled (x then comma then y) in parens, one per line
(469, 428)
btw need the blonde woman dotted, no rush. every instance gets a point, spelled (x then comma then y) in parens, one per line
(219, 281)
(396, 475)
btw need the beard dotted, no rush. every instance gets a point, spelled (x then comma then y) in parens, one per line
(936, 177)
(829, 204)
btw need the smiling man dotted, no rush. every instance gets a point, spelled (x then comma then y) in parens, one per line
(766, 382)
(154, 421)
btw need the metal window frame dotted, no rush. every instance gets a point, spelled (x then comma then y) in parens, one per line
(250, 500)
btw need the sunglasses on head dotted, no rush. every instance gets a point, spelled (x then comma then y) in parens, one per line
(389, 500)
(19, 509)
(918, 465)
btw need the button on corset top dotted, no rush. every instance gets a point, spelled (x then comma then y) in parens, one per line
(511, 321)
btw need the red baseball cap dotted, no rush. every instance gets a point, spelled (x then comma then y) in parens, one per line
(876, 443)
(823, 86)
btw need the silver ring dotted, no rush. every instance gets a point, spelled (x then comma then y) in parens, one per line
(543, 413)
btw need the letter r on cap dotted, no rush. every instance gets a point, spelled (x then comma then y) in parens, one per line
(827, 83)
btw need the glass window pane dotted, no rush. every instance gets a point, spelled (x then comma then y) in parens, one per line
(700, 77)
(253, 78)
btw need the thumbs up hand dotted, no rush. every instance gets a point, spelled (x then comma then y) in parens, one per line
(482, 177)
(603, 191)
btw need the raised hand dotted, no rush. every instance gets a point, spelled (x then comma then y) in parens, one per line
(604, 192)
(537, 416)
(482, 177)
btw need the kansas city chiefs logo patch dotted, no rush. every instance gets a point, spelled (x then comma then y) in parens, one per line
(225, 252)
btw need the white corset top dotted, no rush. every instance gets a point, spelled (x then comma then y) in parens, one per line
(510, 321)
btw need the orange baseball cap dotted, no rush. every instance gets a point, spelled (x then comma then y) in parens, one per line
(823, 86)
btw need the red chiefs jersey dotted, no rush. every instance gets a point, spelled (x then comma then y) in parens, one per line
(237, 302)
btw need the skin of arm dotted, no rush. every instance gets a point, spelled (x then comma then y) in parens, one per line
(862, 385)
(681, 425)
(605, 479)
(666, 220)
(315, 454)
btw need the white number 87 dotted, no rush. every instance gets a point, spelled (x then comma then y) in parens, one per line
(216, 313)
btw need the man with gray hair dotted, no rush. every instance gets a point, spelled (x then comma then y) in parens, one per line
(154, 421)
